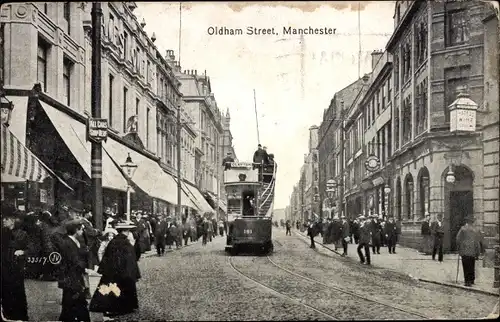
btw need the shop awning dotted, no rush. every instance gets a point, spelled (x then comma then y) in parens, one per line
(197, 198)
(18, 117)
(73, 133)
(18, 163)
(222, 203)
(149, 176)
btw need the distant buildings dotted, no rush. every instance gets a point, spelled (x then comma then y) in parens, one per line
(398, 119)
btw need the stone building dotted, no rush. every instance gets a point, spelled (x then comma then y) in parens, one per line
(311, 175)
(201, 105)
(139, 96)
(226, 145)
(441, 49)
(329, 146)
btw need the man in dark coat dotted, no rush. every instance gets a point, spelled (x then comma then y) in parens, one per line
(336, 231)
(469, 248)
(260, 159)
(425, 231)
(118, 265)
(376, 230)
(311, 232)
(161, 235)
(226, 162)
(355, 230)
(437, 230)
(390, 235)
(14, 243)
(72, 271)
(345, 234)
(364, 240)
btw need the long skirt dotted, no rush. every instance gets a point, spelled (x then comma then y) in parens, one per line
(14, 303)
(125, 303)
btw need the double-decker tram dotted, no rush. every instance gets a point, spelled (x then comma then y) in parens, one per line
(250, 199)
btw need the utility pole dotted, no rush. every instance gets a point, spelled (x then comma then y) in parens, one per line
(179, 178)
(96, 151)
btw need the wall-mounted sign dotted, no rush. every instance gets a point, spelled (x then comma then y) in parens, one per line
(97, 130)
(463, 120)
(372, 163)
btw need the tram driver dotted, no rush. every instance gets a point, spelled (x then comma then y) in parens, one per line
(226, 162)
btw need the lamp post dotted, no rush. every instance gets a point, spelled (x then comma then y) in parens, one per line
(129, 167)
(6, 109)
(387, 191)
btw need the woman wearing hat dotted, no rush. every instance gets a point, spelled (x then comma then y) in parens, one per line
(117, 292)
(108, 234)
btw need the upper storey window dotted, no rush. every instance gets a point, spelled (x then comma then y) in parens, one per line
(457, 27)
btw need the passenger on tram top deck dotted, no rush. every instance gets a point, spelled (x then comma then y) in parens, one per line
(226, 162)
(260, 156)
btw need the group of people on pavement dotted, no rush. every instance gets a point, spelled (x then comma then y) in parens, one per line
(65, 247)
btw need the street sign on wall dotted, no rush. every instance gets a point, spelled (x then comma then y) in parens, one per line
(97, 129)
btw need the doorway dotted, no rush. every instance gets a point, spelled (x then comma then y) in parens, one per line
(461, 206)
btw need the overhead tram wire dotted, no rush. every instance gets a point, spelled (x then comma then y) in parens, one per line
(256, 116)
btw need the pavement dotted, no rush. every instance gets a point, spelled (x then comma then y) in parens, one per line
(419, 266)
(44, 297)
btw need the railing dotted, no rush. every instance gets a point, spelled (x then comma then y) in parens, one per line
(270, 188)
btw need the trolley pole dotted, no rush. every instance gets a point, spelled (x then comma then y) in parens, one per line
(96, 150)
(179, 178)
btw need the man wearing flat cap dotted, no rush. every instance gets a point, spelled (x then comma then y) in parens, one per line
(364, 240)
(260, 157)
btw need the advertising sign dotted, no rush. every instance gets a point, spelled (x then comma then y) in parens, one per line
(463, 120)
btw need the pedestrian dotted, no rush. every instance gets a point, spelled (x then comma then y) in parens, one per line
(390, 235)
(205, 230)
(381, 221)
(364, 240)
(226, 162)
(425, 231)
(31, 224)
(355, 230)
(193, 230)
(14, 244)
(117, 291)
(469, 248)
(92, 240)
(260, 158)
(336, 232)
(345, 234)
(311, 233)
(161, 235)
(438, 234)
(72, 274)
(214, 227)
(221, 228)
(376, 230)
(288, 228)
(108, 235)
(186, 227)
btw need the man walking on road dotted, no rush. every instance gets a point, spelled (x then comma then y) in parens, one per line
(390, 234)
(364, 240)
(469, 248)
(346, 235)
(311, 232)
(288, 227)
(438, 232)
(425, 247)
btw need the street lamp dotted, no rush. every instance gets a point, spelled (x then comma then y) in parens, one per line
(331, 185)
(450, 176)
(387, 191)
(129, 167)
(7, 107)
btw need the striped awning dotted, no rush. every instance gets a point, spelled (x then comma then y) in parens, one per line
(17, 161)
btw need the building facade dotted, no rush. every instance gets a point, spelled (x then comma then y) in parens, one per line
(439, 50)
(311, 175)
(330, 147)
(139, 98)
(201, 105)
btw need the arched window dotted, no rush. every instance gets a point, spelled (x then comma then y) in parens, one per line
(409, 197)
(423, 182)
(398, 200)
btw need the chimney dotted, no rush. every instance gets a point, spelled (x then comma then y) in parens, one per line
(376, 54)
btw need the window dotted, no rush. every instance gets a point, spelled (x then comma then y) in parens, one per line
(45, 8)
(137, 103)
(125, 45)
(389, 139)
(147, 72)
(423, 114)
(407, 119)
(378, 102)
(457, 80)
(406, 61)
(125, 93)
(421, 42)
(373, 110)
(110, 103)
(42, 63)
(457, 27)
(396, 126)
(389, 90)
(147, 127)
(396, 71)
(383, 91)
(67, 16)
(111, 28)
(67, 68)
(383, 146)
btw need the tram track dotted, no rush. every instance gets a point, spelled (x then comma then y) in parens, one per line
(326, 312)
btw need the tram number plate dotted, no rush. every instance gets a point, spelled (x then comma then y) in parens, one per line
(247, 231)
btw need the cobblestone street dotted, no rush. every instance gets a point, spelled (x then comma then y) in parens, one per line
(294, 283)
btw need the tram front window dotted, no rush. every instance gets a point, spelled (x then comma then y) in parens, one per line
(248, 203)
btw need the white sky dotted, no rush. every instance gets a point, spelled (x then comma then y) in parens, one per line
(238, 64)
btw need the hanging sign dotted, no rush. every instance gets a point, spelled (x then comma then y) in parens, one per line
(97, 129)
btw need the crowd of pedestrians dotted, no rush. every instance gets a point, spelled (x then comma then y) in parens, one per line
(65, 247)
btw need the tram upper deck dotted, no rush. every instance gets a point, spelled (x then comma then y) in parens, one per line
(249, 190)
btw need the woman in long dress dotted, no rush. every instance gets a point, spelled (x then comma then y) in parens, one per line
(116, 293)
